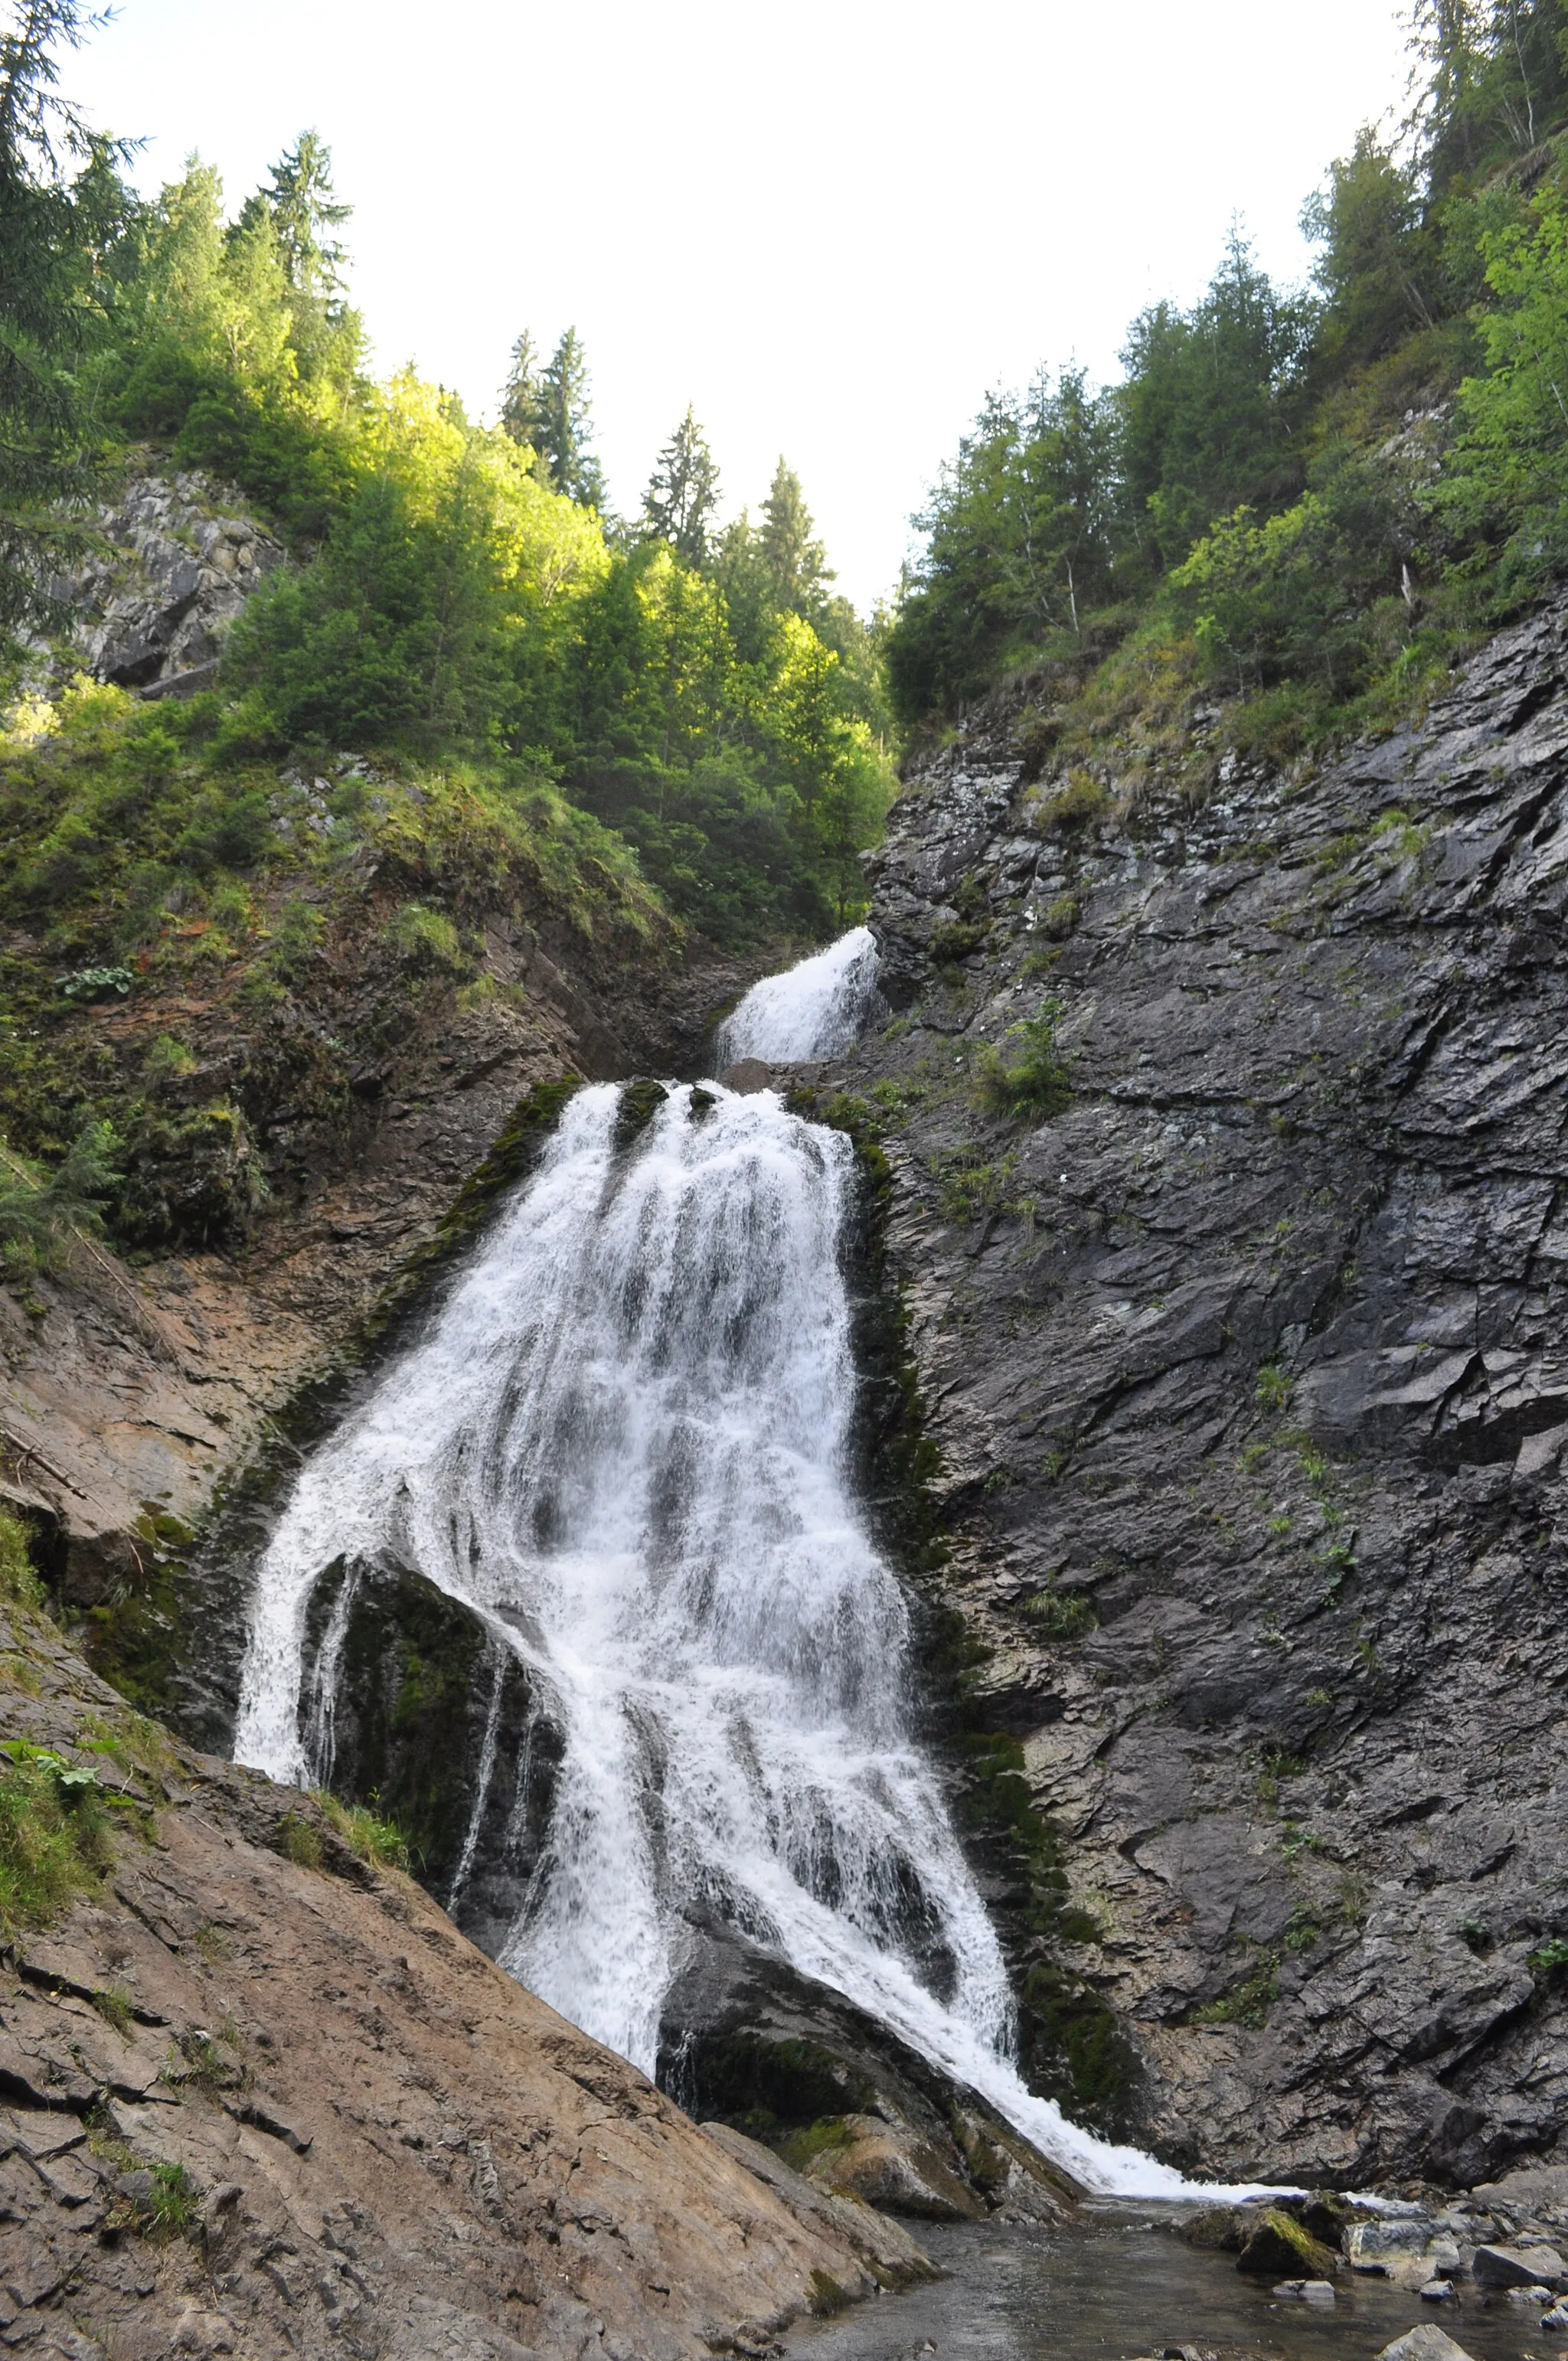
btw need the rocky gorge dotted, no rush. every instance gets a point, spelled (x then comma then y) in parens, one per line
(1213, 1418)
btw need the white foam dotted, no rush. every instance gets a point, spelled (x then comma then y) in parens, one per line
(815, 1009)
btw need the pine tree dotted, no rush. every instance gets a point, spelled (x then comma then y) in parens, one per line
(59, 200)
(523, 395)
(796, 562)
(683, 494)
(565, 434)
(550, 409)
(304, 213)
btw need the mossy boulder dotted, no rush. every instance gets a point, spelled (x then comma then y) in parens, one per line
(1280, 2247)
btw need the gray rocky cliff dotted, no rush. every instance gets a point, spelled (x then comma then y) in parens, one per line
(1248, 1371)
(176, 558)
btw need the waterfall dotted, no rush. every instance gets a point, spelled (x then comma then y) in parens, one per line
(622, 1444)
(813, 1010)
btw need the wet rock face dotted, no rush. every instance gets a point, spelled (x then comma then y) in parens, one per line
(1248, 1375)
(749, 2042)
(411, 1706)
(179, 562)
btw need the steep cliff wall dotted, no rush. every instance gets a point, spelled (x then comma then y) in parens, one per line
(1248, 1375)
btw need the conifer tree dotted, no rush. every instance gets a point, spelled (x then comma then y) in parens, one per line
(523, 395)
(549, 408)
(795, 560)
(683, 494)
(305, 215)
(59, 198)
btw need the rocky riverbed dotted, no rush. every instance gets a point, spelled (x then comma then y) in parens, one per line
(1124, 2281)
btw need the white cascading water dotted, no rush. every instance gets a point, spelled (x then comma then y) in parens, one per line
(813, 1010)
(622, 1445)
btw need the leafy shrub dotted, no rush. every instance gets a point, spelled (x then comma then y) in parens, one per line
(1035, 1080)
(18, 1584)
(91, 983)
(55, 1835)
(426, 941)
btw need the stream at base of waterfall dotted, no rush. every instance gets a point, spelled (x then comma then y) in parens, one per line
(622, 1444)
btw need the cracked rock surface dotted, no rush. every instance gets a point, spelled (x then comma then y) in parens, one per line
(384, 2146)
(154, 604)
(1249, 1374)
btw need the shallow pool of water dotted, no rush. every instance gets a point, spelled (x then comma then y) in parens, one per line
(1120, 2283)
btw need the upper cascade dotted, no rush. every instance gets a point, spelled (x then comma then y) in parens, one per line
(815, 1009)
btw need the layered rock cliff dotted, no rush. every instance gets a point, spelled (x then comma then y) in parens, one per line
(1247, 1374)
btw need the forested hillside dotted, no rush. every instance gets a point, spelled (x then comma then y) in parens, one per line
(458, 592)
(1306, 502)
(460, 691)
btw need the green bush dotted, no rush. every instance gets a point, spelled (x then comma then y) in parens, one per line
(1035, 1079)
(426, 941)
(38, 1215)
(55, 1835)
(19, 1585)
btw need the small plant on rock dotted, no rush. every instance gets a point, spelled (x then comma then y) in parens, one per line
(1035, 1079)
(38, 1215)
(55, 1834)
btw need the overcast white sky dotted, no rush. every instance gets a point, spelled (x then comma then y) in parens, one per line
(832, 227)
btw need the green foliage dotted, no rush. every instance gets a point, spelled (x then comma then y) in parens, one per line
(1549, 1958)
(683, 494)
(19, 1585)
(1247, 2003)
(1034, 1080)
(426, 940)
(39, 1214)
(972, 1185)
(380, 1843)
(1283, 500)
(1021, 543)
(1062, 1615)
(299, 1841)
(456, 597)
(55, 1835)
(174, 2204)
(59, 200)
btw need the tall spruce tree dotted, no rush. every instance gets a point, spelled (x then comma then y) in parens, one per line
(60, 198)
(551, 409)
(682, 497)
(522, 401)
(305, 215)
(796, 561)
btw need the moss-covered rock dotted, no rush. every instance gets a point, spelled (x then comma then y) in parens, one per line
(1280, 2247)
